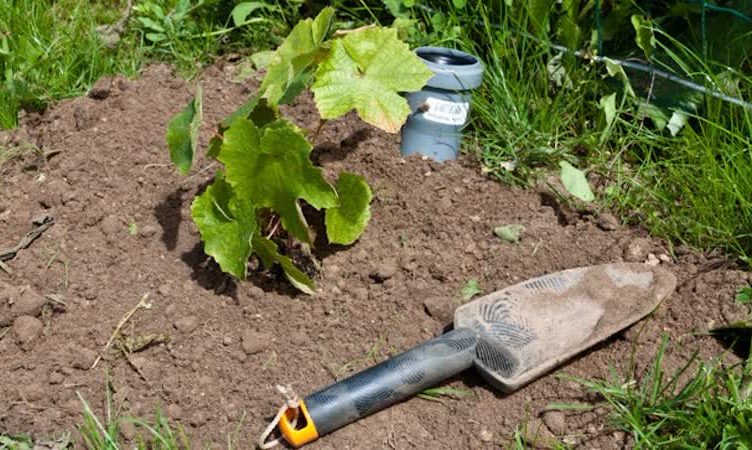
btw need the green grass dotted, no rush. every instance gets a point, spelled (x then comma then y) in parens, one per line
(51, 50)
(699, 405)
(104, 432)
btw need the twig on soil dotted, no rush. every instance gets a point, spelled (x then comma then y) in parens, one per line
(4, 267)
(149, 166)
(141, 304)
(41, 226)
(275, 222)
(55, 298)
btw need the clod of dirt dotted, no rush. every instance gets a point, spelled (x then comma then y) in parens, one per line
(652, 260)
(536, 435)
(27, 330)
(32, 392)
(112, 227)
(637, 249)
(254, 342)
(56, 378)
(607, 222)
(186, 324)
(82, 358)
(8, 295)
(164, 290)
(127, 430)
(28, 303)
(173, 411)
(556, 422)
(147, 231)
(439, 308)
(485, 435)
(197, 419)
(384, 271)
(101, 89)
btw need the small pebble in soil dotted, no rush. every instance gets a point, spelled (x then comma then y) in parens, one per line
(253, 342)
(637, 250)
(186, 324)
(607, 222)
(384, 271)
(556, 422)
(83, 358)
(652, 260)
(27, 330)
(485, 435)
(147, 231)
(164, 290)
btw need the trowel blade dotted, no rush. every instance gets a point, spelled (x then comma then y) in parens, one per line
(527, 329)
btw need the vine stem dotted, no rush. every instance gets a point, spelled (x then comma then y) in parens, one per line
(274, 224)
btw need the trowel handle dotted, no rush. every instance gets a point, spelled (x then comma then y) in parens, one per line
(380, 386)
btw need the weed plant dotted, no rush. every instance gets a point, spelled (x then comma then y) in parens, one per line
(699, 405)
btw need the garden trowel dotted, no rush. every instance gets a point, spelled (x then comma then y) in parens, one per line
(511, 337)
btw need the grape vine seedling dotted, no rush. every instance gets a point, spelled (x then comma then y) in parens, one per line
(253, 205)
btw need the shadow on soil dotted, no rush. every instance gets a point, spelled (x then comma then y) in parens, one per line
(168, 214)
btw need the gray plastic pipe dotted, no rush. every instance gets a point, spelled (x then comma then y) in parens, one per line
(439, 111)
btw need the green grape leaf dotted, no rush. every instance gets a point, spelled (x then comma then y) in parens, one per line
(257, 110)
(182, 133)
(294, 61)
(347, 221)
(575, 183)
(364, 71)
(644, 38)
(268, 254)
(470, 289)
(271, 167)
(226, 223)
(510, 233)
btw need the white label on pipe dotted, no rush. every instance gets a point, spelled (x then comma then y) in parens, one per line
(449, 113)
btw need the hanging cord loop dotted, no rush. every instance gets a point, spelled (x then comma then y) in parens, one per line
(291, 402)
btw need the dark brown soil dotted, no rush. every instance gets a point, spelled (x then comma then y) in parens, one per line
(230, 342)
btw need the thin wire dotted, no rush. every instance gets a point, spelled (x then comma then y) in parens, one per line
(656, 72)
(628, 64)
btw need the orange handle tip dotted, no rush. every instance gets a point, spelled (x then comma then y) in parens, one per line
(298, 437)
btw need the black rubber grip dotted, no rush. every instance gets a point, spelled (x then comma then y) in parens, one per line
(391, 381)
